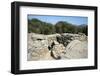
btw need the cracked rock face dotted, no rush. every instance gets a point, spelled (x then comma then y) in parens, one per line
(56, 46)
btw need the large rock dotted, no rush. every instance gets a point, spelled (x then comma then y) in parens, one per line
(34, 36)
(76, 49)
(37, 47)
(36, 41)
(57, 50)
(40, 54)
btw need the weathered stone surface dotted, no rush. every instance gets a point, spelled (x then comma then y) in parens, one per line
(76, 49)
(57, 50)
(56, 46)
(51, 39)
(40, 54)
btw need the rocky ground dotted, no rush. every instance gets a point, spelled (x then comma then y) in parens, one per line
(57, 46)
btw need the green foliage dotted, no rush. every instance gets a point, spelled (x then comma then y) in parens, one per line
(40, 27)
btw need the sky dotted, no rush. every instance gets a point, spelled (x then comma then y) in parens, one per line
(76, 20)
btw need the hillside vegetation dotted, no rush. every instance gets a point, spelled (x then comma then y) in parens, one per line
(40, 27)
